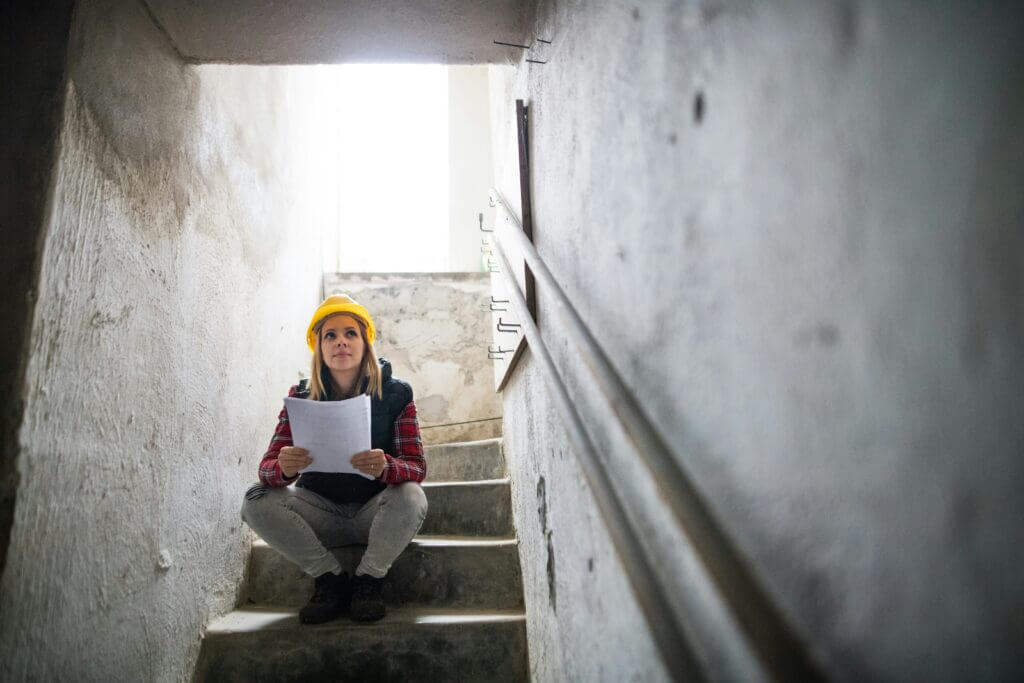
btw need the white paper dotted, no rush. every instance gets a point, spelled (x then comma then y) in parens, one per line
(332, 431)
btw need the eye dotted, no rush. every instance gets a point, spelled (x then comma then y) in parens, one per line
(351, 333)
(329, 335)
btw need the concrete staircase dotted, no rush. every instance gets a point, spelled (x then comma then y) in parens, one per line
(455, 599)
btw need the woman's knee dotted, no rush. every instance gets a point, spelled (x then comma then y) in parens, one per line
(410, 497)
(259, 502)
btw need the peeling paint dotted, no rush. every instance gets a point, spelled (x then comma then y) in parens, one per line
(433, 329)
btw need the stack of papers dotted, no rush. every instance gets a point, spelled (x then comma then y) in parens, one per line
(332, 431)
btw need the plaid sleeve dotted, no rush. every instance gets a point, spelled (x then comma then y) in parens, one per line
(407, 462)
(270, 468)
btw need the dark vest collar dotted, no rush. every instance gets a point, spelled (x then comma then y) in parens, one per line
(385, 377)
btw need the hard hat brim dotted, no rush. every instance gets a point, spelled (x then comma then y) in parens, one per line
(352, 309)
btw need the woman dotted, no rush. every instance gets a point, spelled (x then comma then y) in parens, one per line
(325, 510)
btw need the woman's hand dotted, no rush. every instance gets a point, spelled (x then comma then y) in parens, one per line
(370, 462)
(293, 459)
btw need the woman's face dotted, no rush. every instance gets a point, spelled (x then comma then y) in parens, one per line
(341, 343)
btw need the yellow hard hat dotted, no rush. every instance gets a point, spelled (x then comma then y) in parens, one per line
(340, 303)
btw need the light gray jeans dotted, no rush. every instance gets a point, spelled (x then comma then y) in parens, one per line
(302, 525)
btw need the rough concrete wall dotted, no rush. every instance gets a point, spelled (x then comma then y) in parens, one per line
(796, 229)
(174, 282)
(433, 327)
(322, 32)
(34, 49)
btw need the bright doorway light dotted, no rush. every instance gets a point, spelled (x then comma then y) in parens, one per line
(393, 168)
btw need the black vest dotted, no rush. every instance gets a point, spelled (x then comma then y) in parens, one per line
(351, 488)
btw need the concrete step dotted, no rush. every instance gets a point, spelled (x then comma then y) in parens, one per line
(463, 431)
(470, 508)
(466, 461)
(434, 571)
(407, 645)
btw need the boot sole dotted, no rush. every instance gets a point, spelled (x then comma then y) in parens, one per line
(370, 616)
(320, 619)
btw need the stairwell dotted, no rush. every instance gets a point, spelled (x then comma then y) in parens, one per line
(455, 598)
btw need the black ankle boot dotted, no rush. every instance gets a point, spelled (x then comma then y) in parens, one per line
(367, 602)
(330, 598)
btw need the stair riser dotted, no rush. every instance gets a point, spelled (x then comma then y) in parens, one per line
(465, 462)
(371, 653)
(472, 431)
(478, 510)
(423, 575)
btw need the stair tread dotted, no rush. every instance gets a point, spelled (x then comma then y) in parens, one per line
(453, 540)
(254, 618)
(464, 444)
(441, 541)
(471, 482)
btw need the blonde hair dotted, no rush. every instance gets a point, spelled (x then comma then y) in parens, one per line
(319, 381)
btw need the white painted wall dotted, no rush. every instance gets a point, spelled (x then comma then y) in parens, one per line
(410, 146)
(471, 167)
(392, 168)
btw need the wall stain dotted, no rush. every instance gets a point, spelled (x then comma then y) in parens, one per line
(692, 233)
(552, 596)
(542, 505)
(825, 335)
(846, 30)
(103, 319)
(711, 11)
(542, 512)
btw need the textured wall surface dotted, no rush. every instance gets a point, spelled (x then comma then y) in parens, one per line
(797, 230)
(34, 44)
(325, 32)
(433, 329)
(175, 277)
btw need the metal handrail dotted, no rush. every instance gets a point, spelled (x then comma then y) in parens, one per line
(675, 648)
(782, 653)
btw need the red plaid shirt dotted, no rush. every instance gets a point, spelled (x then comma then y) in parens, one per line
(405, 464)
